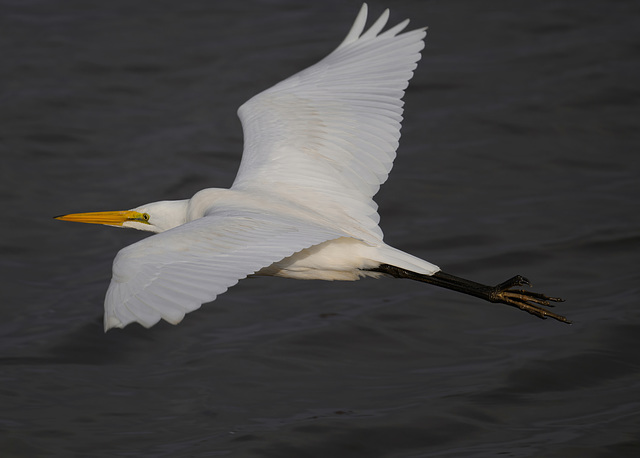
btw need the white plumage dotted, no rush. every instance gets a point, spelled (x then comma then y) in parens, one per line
(318, 145)
(328, 135)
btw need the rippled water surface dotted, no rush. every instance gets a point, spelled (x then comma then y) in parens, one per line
(519, 155)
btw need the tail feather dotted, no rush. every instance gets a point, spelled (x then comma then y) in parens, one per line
(395, 257)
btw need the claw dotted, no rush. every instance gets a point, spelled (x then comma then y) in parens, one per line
(518, 280)
(528, 301)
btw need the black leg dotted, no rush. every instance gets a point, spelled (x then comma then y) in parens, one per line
(505, 293)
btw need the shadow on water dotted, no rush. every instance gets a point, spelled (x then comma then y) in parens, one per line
(611, 358)
(335, 440)
(86, 345)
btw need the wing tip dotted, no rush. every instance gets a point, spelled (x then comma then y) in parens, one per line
(358, 26)
(111, 322)
(358, 32)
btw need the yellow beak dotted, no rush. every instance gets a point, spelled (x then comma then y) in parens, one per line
(116, 218)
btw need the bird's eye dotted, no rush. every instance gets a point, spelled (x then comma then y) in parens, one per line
(146, 216)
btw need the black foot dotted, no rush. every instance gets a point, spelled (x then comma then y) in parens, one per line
(525, 300)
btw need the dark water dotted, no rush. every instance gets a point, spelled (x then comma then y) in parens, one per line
(519, 155)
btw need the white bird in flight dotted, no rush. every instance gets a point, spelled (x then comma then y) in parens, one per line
(317, 147)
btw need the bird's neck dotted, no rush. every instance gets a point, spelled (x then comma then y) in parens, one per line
(203, 201)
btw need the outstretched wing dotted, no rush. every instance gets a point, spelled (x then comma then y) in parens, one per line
(175, 272)
(331, 131)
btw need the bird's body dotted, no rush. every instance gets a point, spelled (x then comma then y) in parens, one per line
(318, 145)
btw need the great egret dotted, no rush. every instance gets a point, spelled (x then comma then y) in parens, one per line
(318, 145)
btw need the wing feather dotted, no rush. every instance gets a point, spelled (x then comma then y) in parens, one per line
(376, 27)
(331, 131)
(175, 272)
(358, 26)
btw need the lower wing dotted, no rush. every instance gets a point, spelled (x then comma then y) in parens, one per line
(172, 273)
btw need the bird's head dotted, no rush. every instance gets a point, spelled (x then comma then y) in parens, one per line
(153, 217)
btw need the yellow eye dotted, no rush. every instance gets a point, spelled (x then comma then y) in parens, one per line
(139, 217)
